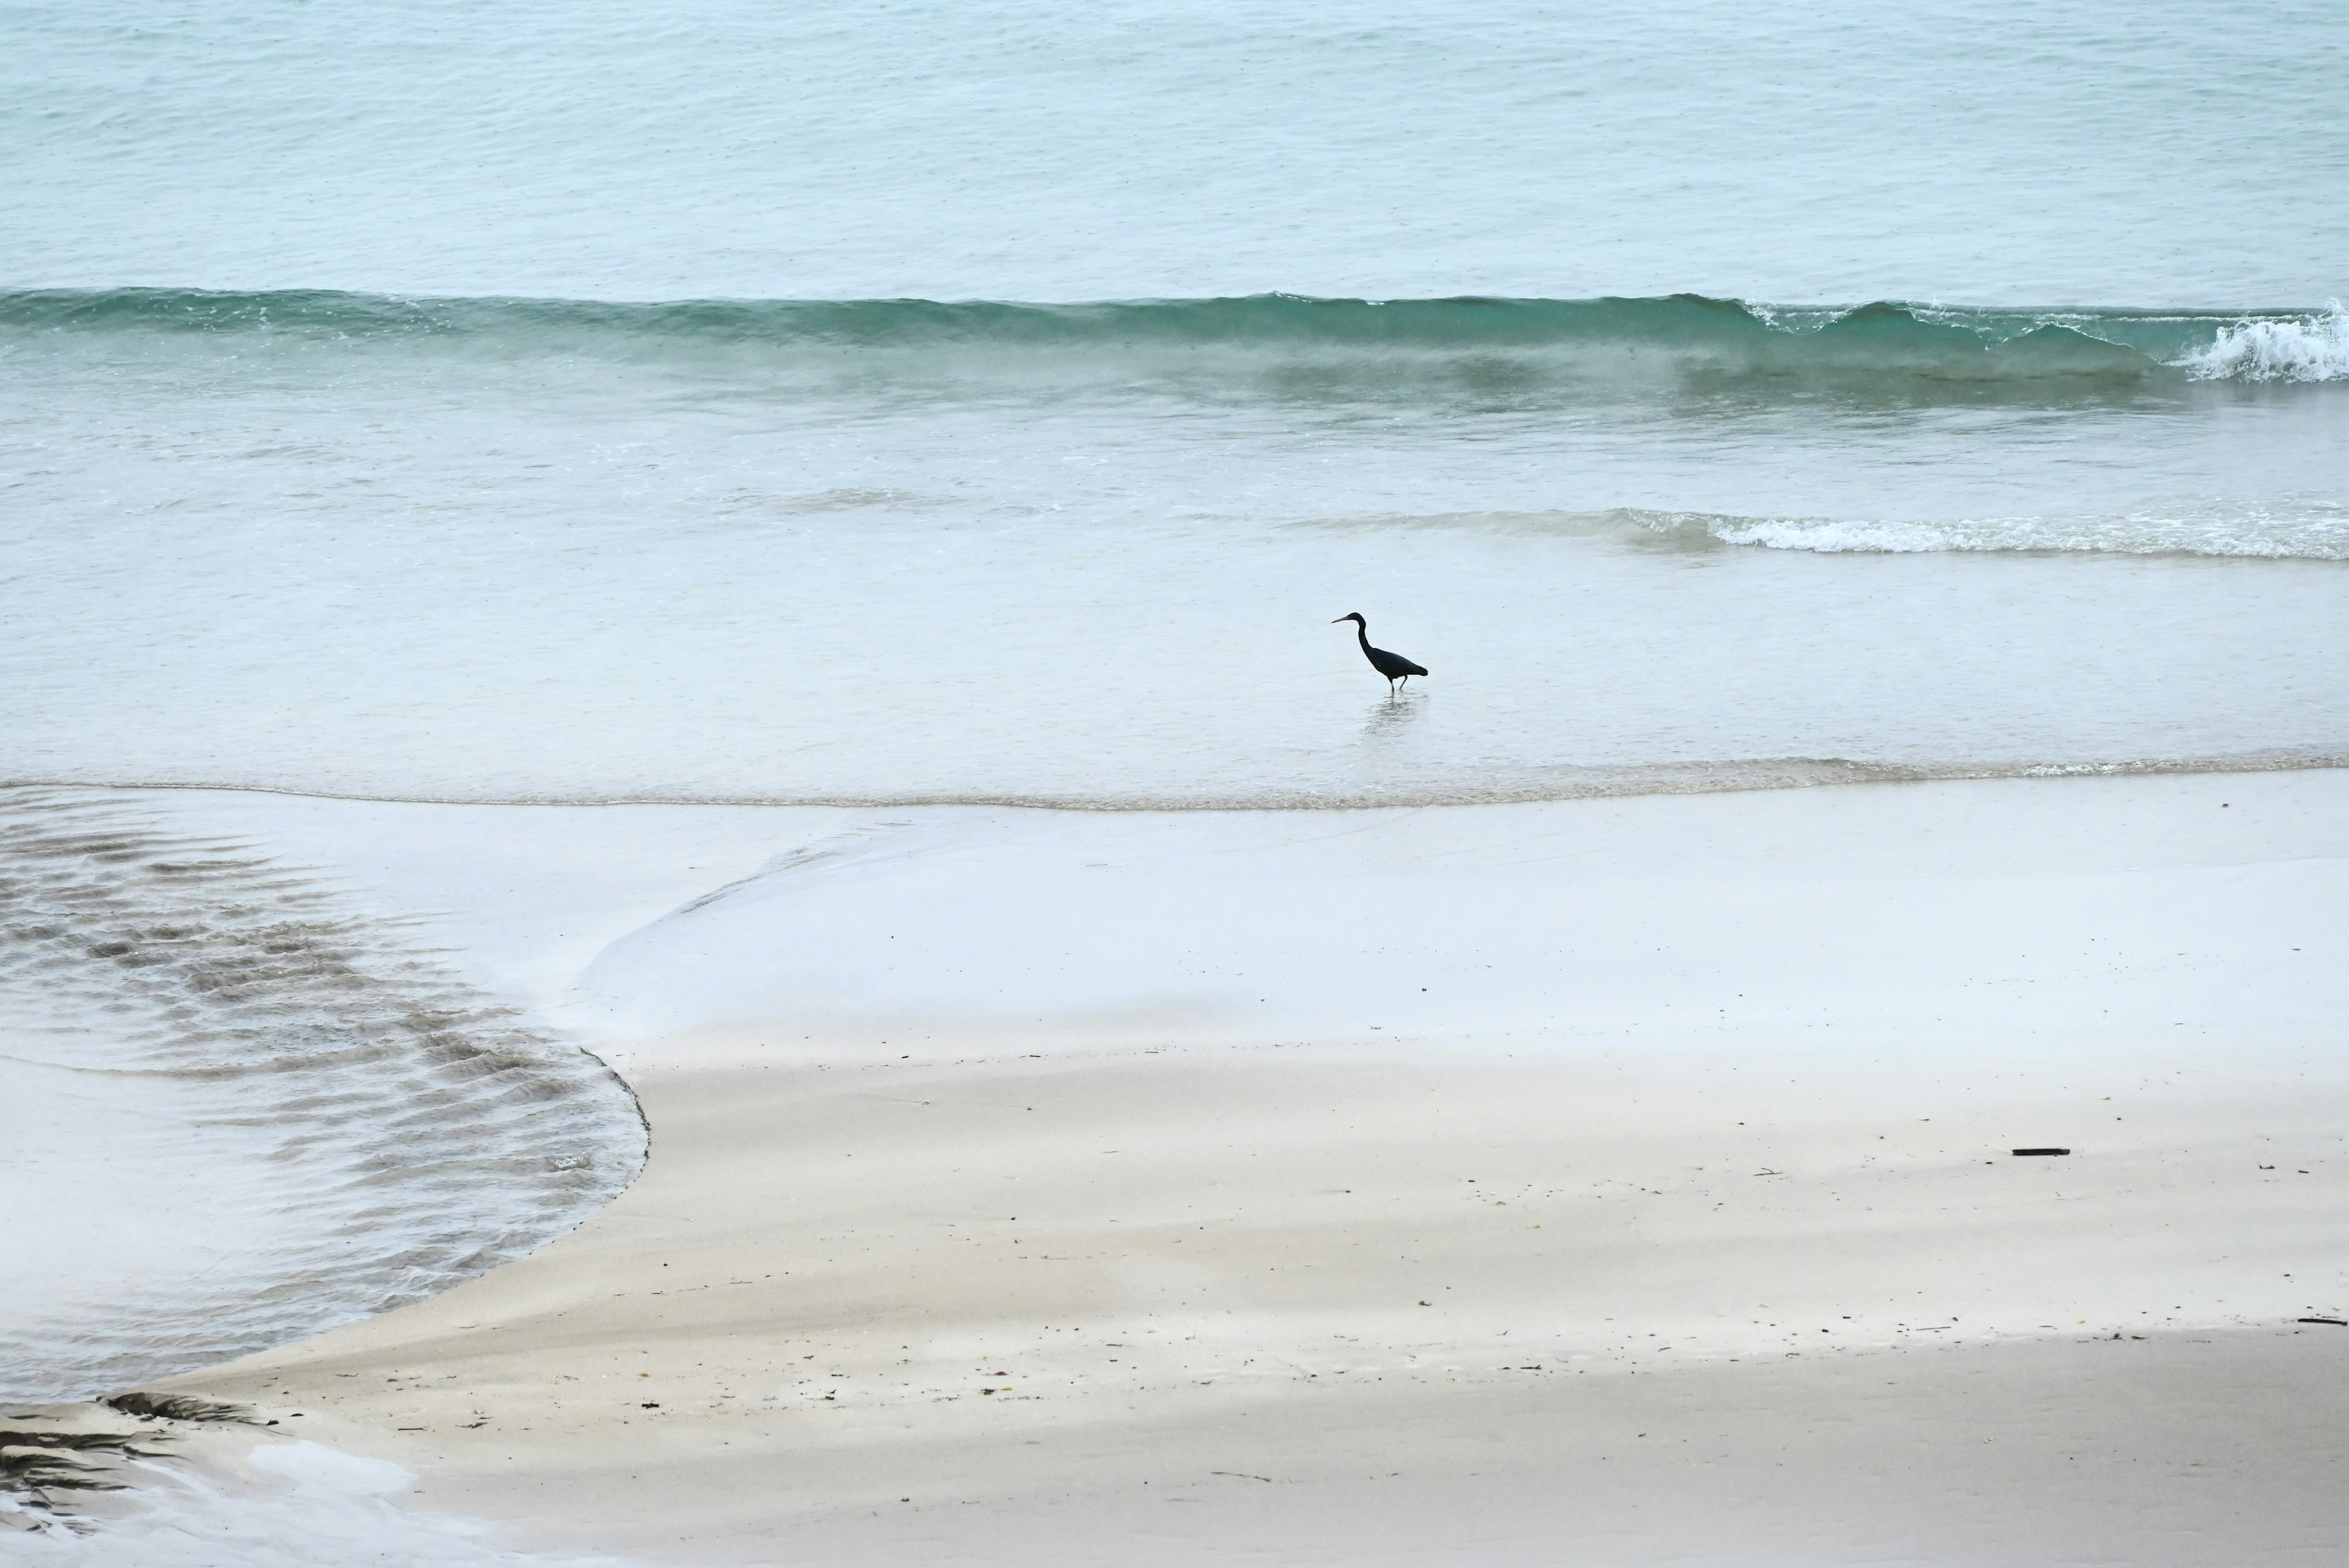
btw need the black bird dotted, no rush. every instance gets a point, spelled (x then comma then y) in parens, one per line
(1395, 667)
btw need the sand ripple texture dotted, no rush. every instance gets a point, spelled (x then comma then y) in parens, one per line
(239, 1109)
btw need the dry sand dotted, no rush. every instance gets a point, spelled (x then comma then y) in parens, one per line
(1114, 1200)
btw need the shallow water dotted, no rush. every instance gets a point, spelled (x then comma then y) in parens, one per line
(237, 1112)
(512, 549)
(326, 1507)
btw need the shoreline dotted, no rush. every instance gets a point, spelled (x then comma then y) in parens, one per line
(1730, 776)
(1185, 1245)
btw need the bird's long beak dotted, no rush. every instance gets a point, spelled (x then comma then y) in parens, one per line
(1341, 618)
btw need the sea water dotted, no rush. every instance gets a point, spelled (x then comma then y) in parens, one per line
(911, 402)
(504, 549)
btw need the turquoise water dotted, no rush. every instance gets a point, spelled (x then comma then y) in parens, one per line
(1982, 153)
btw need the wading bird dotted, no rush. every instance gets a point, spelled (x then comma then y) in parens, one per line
(1395, 667)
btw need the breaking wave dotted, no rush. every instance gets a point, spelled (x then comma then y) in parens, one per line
(1499, 340)
(2307, 348)
(2312, 530)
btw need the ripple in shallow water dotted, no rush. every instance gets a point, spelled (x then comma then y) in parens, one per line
(240, 1110)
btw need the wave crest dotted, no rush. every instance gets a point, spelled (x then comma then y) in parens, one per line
(2319, 532)
(1500, 342)
(2309, 529)
(2306, 348)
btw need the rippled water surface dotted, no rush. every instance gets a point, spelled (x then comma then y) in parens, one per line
(235, 1112)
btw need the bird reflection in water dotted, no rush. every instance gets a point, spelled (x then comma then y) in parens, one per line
(1391, 716)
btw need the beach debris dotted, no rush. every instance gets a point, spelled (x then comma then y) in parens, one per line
(2335, 1322)
(39, 1467)
(2027, 1152)
(50, 1455)
(177, 1407)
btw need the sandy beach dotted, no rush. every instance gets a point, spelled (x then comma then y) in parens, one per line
(1110, 1198)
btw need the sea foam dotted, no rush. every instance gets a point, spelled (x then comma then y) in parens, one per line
(2312, 532)
(2307, 348)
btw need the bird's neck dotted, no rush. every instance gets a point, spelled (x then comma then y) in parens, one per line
(1362, 634)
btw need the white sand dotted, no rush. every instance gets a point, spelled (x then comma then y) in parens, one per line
(1686, 1119)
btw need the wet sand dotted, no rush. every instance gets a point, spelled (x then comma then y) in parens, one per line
(1686, 1227)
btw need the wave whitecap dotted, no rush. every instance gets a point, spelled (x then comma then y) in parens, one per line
(2307, 348)
(2316, 533)
(2309, 529)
